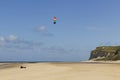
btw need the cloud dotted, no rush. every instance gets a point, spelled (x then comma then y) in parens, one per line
(24, 44)
(11, 38)
(44, 31)
(41, 28)
(2, 40)
(28, 43)
(15, 42)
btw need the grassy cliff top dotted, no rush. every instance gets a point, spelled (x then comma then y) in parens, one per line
(107, 48)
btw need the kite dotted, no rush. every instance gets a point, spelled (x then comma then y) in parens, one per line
(54, 20)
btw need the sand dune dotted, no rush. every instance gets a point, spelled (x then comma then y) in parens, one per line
(61, 71)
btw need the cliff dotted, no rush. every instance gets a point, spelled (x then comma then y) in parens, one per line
(105, 53)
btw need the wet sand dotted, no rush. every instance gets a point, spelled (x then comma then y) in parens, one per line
(60, 71)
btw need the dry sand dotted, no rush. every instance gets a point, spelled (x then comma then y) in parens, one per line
(60, 71)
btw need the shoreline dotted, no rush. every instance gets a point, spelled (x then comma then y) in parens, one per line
(87, 61)
(92, 61)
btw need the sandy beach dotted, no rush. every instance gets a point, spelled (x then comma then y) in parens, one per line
(60, 71)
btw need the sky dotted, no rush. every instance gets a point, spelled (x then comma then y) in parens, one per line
(27, 32)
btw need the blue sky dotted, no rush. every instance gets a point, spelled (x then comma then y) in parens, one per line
(27, 32)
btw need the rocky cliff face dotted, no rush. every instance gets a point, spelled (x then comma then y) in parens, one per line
(105, 53)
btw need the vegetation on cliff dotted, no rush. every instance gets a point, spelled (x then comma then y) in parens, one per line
(105, 53)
